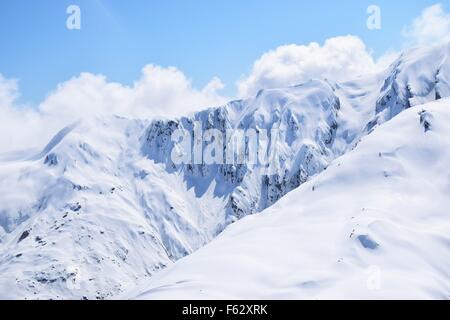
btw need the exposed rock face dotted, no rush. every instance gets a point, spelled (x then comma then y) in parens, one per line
(311, 128)
(301, 124)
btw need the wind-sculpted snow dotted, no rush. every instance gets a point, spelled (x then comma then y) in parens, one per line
(112, 201)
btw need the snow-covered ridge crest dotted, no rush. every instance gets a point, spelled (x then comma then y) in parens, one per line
(104, 206)
(418, 76)
(309, 125)
(282, 122)
(374, 225)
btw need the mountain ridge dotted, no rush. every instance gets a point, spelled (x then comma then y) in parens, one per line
(103, 206)
(374, 225)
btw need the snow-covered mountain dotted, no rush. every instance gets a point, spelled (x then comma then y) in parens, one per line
(374, 225)
(104, 207)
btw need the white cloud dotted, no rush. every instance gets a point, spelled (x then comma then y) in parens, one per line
(17, 125)
(168, 92)
(8, 91)
(158, 92)
(432, 26)
(340, 58)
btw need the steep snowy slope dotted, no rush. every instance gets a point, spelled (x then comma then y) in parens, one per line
(374, 225)
(90, 215)
(104, 206)
(300, 126)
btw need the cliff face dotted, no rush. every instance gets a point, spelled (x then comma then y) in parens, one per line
(293, 129)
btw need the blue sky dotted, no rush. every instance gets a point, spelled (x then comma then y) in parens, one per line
(203, 38)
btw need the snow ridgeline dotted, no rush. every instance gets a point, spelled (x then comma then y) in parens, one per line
(103, 207)
(374, 225)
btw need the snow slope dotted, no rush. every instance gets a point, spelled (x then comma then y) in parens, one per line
(102, 207)
(375, 224)
(90, 215)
